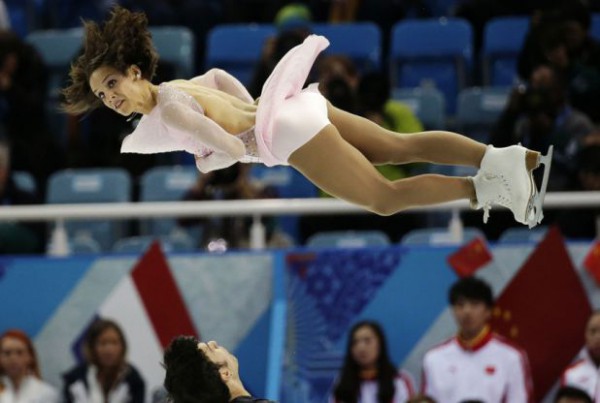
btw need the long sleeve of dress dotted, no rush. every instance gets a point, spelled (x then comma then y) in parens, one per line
(178, 123)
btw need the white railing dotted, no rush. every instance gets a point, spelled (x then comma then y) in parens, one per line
(254, 208)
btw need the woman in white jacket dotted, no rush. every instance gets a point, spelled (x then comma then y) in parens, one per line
(20, 380)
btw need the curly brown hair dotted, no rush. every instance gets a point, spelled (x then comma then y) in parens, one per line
(120, 42)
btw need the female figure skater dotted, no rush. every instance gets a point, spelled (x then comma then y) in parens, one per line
(214, 117)
(368, 375)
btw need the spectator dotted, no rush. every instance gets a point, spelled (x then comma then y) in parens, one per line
(106, 376)
(232, 183)
(476, 364)
(561, 37)
(583, 373)
(23, 95)
(17, 238)
(538, 115)
(583, 223)
(569, 394)
(368, 375)
(20, 380)
(203, 373)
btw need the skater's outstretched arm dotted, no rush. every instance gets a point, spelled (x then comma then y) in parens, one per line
(203, 132)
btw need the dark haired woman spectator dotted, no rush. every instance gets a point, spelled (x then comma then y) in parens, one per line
(106, 377)
(368, 375)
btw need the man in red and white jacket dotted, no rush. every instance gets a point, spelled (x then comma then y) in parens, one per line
(584, 373)
(476, 364)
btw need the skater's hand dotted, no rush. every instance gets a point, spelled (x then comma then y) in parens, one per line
(215, 160)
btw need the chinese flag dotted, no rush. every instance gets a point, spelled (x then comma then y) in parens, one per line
(544, 310)
(470, 258)
(592, 262)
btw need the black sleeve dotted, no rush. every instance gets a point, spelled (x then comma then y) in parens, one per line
(137, 386)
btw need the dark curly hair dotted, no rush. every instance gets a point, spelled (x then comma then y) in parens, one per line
(348, 388)
(190, 376)
(122, 41)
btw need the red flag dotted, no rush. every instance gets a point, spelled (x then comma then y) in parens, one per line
(544, 310)
(161, 297)
(470, 258)
(592, 262)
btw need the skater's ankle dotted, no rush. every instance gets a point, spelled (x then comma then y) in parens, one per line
(532, 160)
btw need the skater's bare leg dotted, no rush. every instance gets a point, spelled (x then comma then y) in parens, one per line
(338, 168)
(382, 146)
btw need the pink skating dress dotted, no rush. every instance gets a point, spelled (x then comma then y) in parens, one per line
(287, 116)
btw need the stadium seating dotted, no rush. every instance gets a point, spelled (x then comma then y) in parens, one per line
(432, 51)
(595, 27)
(288, 183)
(427, 103)
(478, 110)
(175, 45)
(237, 48)
(24, 181)
(523, 235)
(139, 244)
(361, 42)
(503, 39)
(107, 185)
(348, 239)
(439, 236)
(165, 183)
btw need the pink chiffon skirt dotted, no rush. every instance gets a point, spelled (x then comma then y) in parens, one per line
(287, 116)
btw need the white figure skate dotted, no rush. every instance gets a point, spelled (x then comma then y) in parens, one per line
(505, 178)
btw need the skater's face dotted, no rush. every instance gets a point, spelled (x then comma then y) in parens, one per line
(471, 316)
(227, 362)
(365, 347)
(120, 92)
(592, 336)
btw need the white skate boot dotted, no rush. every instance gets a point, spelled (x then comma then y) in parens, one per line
(505, 178)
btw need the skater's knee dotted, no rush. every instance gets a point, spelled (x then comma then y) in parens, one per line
(385, 206)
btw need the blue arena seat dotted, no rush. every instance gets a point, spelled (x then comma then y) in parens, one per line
(168, 183)
(84, 244)
(175, 45)
(502, 40)
(361, 42)
(289, 184)
(595, 27)
(58, 48)
(432, 51)
(439, 236)
(24, 181)
(348, 239)
(138, 244)
(478, 110)
(427, 103)
(100, 185)
(523, 235)
(237, 48)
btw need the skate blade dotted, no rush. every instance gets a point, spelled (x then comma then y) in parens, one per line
(538, 198)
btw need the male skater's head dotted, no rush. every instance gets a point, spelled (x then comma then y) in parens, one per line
(199, 372)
